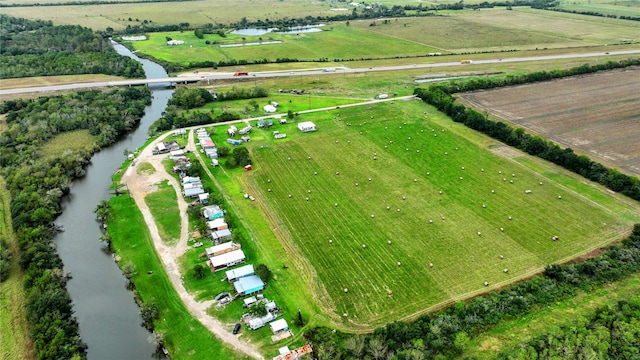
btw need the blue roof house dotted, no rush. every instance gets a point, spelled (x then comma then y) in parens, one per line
(248, 285)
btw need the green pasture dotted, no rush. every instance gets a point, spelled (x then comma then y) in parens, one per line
(69, 141)
(336, 41)
(163, 206)
(462, 259)
(620, 8)
(184, 336)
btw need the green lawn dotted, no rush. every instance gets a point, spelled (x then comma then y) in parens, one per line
(462, 259)
(163, 205)
(185, 337)
(73, 140)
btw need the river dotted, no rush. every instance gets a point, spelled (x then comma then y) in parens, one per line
(109, 318)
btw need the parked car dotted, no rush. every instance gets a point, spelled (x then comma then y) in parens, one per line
(236, 329)
(222, 296)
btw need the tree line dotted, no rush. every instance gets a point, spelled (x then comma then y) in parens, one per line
(440, 97)
(446, 333)
(38, 48)
(192, 97)
(172, 119)
(38, 181)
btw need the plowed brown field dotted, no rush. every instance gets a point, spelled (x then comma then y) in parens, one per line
(598, 115)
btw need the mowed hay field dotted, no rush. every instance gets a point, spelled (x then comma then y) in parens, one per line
(410, 158)
(595, 114)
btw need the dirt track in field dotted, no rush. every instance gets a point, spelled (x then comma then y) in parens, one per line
(597, 115)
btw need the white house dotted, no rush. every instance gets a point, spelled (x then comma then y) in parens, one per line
(270, 108)
(307, 126)
(279, 326)
(175, 42)
(226, 260)
(235, 274)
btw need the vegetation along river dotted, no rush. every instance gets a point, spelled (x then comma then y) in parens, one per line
(109, 318)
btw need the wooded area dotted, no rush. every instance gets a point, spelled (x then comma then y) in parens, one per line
(37, 48)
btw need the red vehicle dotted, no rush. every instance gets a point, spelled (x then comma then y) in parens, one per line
(241, 73)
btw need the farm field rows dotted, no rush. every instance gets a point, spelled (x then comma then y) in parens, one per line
(596, 114)
(416, 156)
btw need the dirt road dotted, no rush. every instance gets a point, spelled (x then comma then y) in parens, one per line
(139, 186)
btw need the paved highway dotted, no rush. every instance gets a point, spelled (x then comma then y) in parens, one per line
(314, 72)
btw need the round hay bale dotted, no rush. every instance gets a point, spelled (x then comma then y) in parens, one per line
(415, 180)
(501, 229)
(268, 180)
(348, 141)
(330, 241)
(388, 207)
(442, 218)
(390, 141)
(482, 169)
(484, 206)
(499, 172)
(398, 210)
(510, 218)
(432, 130)
(505, 270)
(356, 184)
(375, 154)
(446, 153)
(407, 149)
(337, 173)
(486, 283)
(511, 181)
(336, 141)
(371, 117)
(409, 138)
(346, 291)
(504, 179)
(289, 195)
(389, 242)
(430, 265)
(559, 197)
(336, 204)
(421, 131)
(315, 173)
(269, 190)
(369, 179)
(364, 246)
(479, 233)
(308, 191)
(442, 130)
(513, 175)
(540, 183)
(435, 135)
(360, 132)
(501, 257)
(404, 197)
(385, 146)
(385, 128)
(398, 263)
(307, 199)
(493, 191)
(463, 168)
(417, 151)
(289, 159)
(375, 158)
(440, 192)
(308, 157)
(430, 221)
(460, 177)
(372, 216)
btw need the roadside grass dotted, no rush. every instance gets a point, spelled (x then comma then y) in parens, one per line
(15, 343)
(163, 205)
(184, 336)
(69, 141)
(509, 334)
(462, 259)
(3, 123)
(145, 168)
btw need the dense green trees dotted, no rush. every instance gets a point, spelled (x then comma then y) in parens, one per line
(5, 259)
(37, 182)
(35, 48)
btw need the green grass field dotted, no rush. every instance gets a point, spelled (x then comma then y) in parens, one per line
(462, 259)
(15, 343)
(163, 205)
(69, 141)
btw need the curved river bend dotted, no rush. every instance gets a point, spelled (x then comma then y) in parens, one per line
(109, 318)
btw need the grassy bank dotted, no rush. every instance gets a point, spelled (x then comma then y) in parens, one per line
(184, 336)
(163, 205)
(15, 343)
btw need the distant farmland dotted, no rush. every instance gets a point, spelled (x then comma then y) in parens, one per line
(447, 196)
(596, 114)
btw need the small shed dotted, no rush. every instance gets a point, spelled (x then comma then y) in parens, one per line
(232, 130)
(248, 285)
(249, 301)
(248, 167)
(203, 198)
(235, 274)
(221, 235)
(234, 142)
(307, 126)
(278, 326)
(269, 108)
(284, 350)
(217, 224)
(161, 147)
